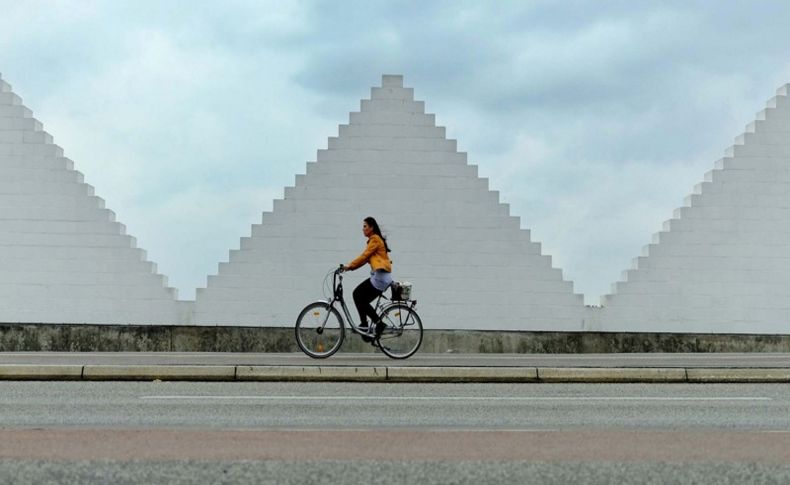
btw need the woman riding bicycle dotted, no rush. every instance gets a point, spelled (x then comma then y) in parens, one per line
(380, 275)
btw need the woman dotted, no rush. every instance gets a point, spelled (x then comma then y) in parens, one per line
(380, 275)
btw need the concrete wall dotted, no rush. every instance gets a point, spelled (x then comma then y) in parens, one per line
(179, 338)
(471, 263)
(722, 263)
(63, 257)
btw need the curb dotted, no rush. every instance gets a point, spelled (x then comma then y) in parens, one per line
(462, 374)
(32, 372)
(299, 373)
(616, 374)
(159, 372)
(738, 375)
(230, 373)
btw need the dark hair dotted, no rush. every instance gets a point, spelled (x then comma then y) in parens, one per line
(377, 230)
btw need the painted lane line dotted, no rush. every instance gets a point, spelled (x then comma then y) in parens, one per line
(458, 398)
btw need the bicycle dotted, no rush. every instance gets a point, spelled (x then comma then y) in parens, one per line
(320, 327)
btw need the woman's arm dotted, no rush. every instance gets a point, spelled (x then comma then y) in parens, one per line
(370, 250)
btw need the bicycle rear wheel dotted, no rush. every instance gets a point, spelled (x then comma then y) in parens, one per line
(402, 335)
(319, 330)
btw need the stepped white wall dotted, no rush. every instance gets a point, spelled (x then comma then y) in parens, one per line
(471, 264)
(63, 257)
(722, 264)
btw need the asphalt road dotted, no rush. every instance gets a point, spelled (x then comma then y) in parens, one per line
(181, 432)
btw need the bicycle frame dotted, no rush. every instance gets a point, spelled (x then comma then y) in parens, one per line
(337, 286)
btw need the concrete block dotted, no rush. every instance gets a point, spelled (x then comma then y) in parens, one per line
(23, 136)
(753, 150)
(37, 176)
(768, 138)
(595, 375)
(40, 162)
(27, 124)
(385, 105)
(50, 277)
(32, 150)
(388, 118)
(387, 143)
(392, 81)
(397, 93)
(68, 240)
(37, 137)
(739, 375)
(311, 373)
(36, 188)
(16, 111)
(778, 102)
(9, 99)
(462, 374)
(160, 372)
(406, 159)
(40, 372)
(73, 253)
(388, 131)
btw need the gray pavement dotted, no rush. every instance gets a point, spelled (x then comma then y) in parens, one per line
(389, 473)
(338, 405)
(117, 432)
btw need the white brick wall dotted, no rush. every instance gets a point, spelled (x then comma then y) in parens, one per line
(722, 264)
(63, 258)
(471, 264)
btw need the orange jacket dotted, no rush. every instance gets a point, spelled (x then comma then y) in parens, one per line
(375, 254)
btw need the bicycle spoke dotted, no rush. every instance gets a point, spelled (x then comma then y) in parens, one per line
(402, 335)
(319, 330)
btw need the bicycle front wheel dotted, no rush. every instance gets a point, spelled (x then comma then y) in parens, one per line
(402, 335)
(319, 330)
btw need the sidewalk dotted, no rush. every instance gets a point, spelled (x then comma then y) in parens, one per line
(657, 367)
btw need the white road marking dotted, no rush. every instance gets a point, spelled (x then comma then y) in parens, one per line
(457, 398)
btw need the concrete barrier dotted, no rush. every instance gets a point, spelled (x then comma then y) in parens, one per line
(587, 374)
(311, 373)
(415, 374)
(28, 372)
(738, 375)
(462, 374)
(160, 372)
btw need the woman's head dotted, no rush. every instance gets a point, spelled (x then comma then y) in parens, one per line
(370, 227)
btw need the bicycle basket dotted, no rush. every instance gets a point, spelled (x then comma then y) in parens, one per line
(401, 291)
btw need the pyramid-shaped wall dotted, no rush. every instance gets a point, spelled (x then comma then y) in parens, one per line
(63, 258)
(722, 264)
(471, 264)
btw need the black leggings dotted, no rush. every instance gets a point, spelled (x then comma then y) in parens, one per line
(363, 295)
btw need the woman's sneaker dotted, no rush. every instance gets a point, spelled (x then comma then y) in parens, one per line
(365, 332)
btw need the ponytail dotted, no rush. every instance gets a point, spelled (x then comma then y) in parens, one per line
(377, 231)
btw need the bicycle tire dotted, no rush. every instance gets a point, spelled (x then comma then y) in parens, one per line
(319, 345)
(402, 335)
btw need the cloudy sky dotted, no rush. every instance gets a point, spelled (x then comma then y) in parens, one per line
(592, 119)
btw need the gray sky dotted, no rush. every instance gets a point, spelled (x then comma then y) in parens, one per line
(592, 119)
